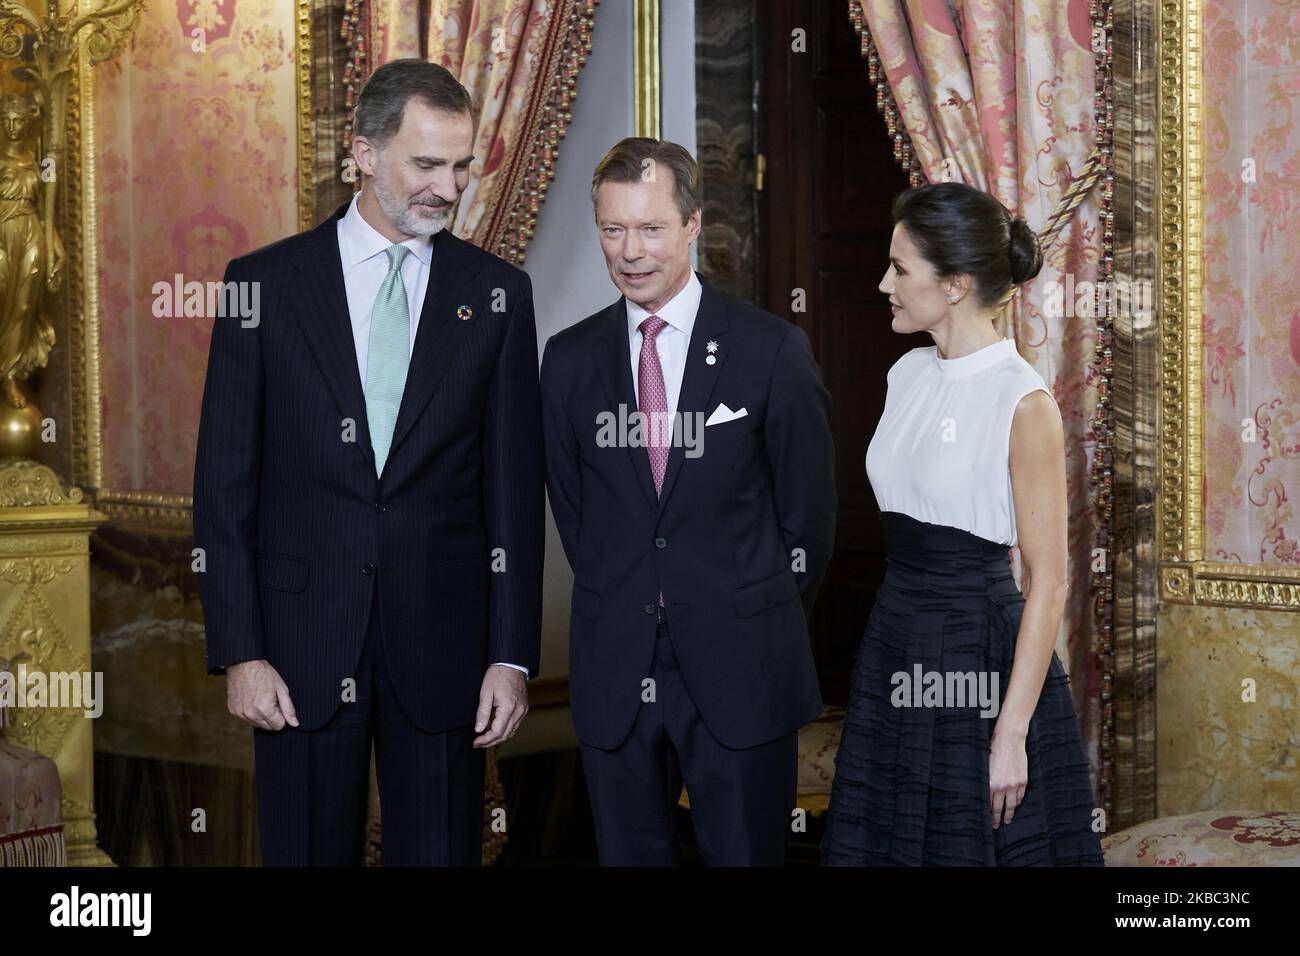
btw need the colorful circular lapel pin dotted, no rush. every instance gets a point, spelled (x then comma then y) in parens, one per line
(464, 312)
(711, 348)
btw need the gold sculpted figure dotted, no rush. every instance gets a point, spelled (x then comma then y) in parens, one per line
(31, 253)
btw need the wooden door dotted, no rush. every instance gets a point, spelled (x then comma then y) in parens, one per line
(823, 238)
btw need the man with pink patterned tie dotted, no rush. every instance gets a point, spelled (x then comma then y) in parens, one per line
(690, 471)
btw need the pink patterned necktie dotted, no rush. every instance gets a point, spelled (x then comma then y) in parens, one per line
(653, 399)
(653, 402)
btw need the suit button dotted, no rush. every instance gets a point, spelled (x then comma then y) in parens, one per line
(661, 543)
(649, 608)
(367, 569)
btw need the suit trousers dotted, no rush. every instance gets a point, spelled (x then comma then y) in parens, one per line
(741, 800)
(313, 786)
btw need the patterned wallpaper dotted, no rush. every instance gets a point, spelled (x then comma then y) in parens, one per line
(195, 163)
(1251, 320)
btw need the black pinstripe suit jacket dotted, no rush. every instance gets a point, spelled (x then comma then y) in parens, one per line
(297, 529)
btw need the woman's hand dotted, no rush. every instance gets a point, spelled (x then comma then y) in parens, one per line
(1008, 773)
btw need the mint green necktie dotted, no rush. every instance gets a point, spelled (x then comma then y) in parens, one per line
(388, 356)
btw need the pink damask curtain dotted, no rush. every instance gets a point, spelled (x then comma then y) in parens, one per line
(519, 59)
(999, 94)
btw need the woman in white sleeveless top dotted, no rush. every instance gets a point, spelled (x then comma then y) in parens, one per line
(960, 744)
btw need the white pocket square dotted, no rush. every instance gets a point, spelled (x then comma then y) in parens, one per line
(723, 414)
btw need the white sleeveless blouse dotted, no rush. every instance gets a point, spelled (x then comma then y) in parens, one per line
(939, 454)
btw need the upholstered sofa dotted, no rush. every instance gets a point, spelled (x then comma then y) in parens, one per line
(1209, 838)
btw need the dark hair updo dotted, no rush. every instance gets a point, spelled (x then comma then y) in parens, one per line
(959, 229)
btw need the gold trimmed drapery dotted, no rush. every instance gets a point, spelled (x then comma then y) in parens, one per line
(519, 60)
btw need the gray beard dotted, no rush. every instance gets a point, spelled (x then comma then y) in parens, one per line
(403, 215)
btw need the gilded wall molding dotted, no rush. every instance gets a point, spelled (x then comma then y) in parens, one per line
(646, 90)
(1180, 341)
(1234, 585)
(146, 510)
(304, 61)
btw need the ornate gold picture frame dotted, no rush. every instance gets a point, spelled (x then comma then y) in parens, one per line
(1185, 577)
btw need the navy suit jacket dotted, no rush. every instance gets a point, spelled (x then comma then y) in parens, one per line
(296, 528)
(723, 540)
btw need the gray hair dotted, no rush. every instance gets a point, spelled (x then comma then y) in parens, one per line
(628, 161)
(378, 113)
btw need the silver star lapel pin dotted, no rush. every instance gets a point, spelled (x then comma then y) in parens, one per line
(711, 348)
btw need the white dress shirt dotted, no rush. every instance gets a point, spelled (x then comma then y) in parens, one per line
(365, 264)
(671, 342)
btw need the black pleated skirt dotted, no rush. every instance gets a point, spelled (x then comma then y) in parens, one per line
(911, 782)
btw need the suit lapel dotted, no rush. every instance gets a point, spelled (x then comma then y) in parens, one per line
(329, 330)
(615, 363)
(327, 327)
(698, 378)
(440, 333)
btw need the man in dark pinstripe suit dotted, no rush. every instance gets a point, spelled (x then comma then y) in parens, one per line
(369, 501)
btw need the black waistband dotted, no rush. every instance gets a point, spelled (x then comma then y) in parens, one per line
(924, 548)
